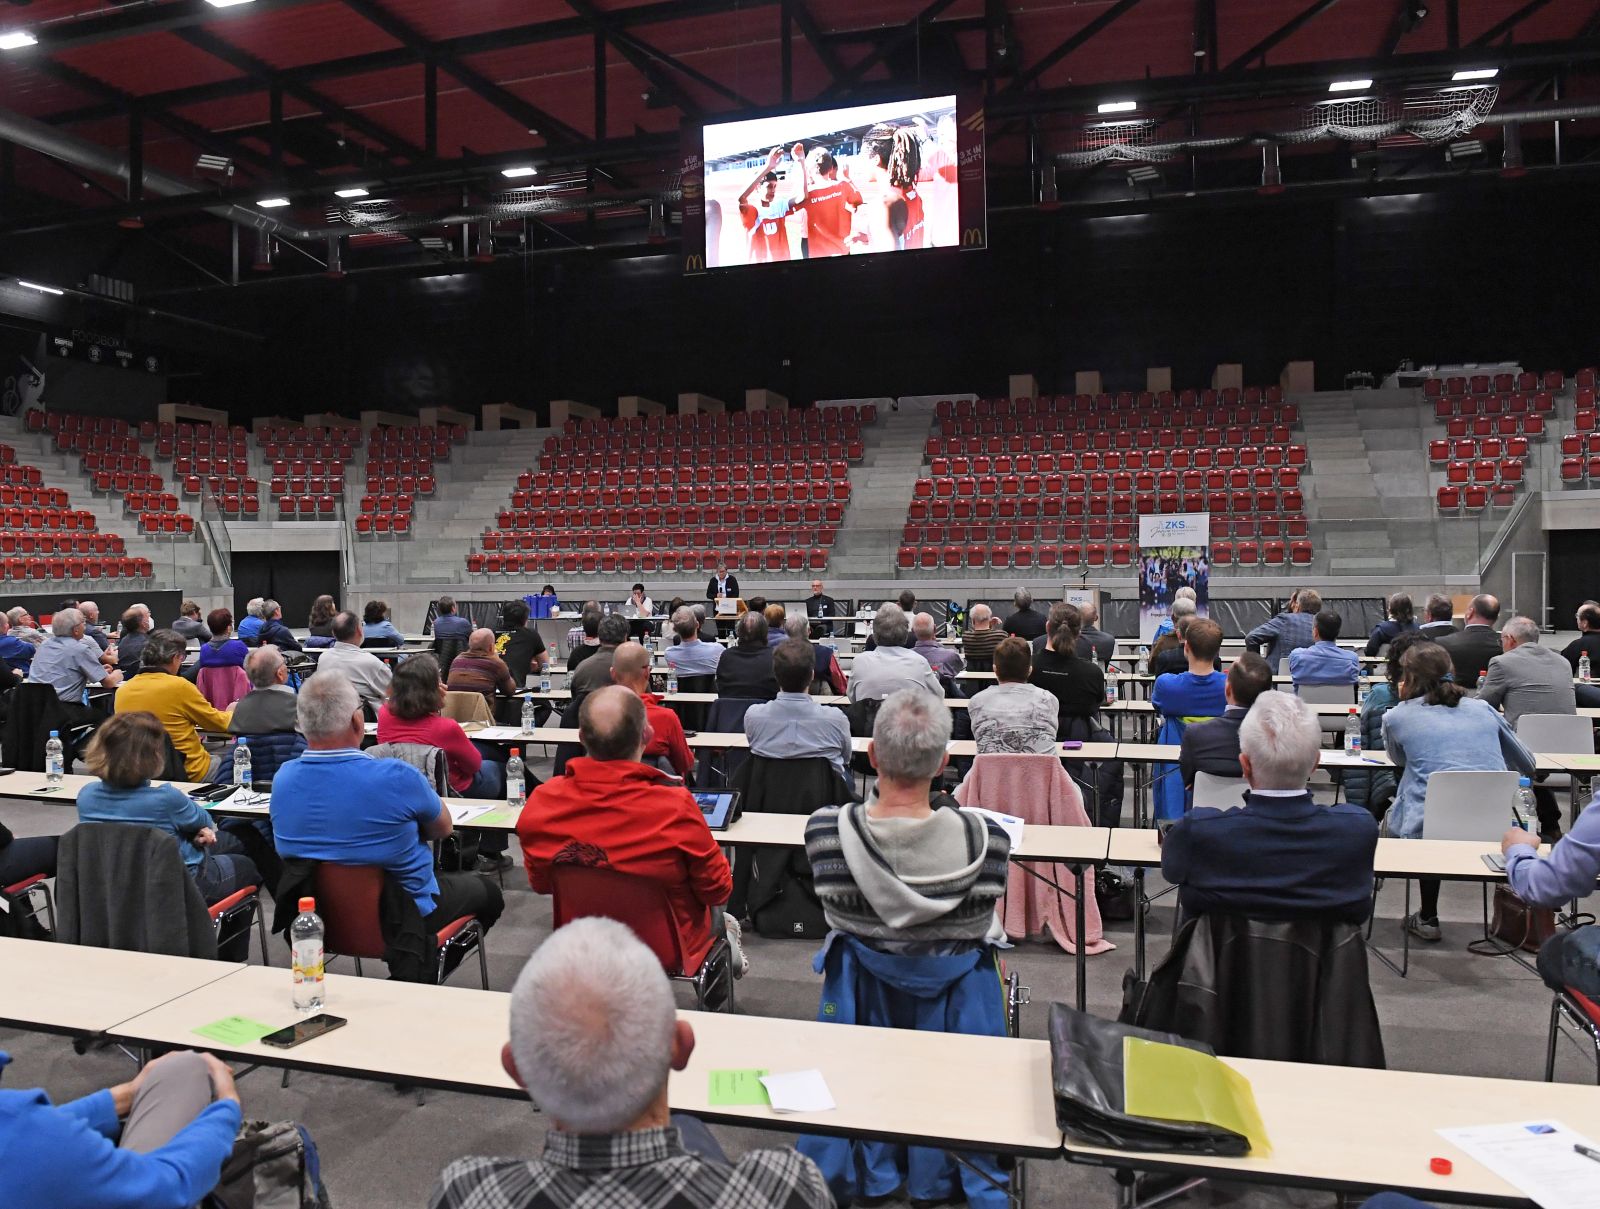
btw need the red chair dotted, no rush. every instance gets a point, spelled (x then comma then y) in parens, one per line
(1583, 1014)
(580, 891)
(347, 900)
(1450, 498)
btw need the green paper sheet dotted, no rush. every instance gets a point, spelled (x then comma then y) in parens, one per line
(1172, 1083)
(235, 1030)
(1580, 761)
(730, 1088)
(494, 818)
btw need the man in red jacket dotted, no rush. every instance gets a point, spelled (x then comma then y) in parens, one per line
(609, 810)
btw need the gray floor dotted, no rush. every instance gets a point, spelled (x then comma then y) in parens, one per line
(1457, 1013)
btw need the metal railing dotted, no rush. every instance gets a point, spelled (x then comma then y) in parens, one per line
(214, 532)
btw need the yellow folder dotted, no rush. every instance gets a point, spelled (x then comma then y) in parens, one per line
(1173, 1083)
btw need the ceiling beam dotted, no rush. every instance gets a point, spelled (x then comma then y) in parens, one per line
(131, 21)
(908, 32)
(241, 60)
(651, 51)
(551, 128)
(1504, 28)
(1284, 32)
(658, 80)
(1071, 44)
(807, 25)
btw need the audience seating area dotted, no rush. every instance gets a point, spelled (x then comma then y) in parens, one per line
(770, 495)
(1580, 449)
(1489, 422)
(42, 537)
(1062, 481)
(110, 453)
(400, 467)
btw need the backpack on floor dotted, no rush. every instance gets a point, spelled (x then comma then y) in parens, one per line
(274, 1165)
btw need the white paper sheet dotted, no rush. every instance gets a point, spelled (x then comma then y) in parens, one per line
(798, 1091)
(1537, 1158)
(496, 734)
(245, 800)
(1009, 823)
(462, 814)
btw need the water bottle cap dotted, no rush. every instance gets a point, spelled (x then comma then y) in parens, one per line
(55, 734)
(1353, 710)
(516, 751)
(308, 904)
(1524, 782)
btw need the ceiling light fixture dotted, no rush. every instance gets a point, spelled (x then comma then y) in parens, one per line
(1117, 106)
(1349, 85)
(519, 171)
(16, 39)
(227, 3)
(213, 163)
(356, 191)
(43, 289)
(1476, 73)
(273, 203)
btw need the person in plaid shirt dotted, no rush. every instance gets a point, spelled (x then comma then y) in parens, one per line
(594, 1035)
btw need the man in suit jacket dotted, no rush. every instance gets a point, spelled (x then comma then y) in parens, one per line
(1213, 746)
(1441, 618)
(1475, 643)
(722, 584)
(1093, 642)
(1279, 856)
(1531, 679)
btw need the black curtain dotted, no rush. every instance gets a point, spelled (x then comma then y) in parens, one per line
(294, 578)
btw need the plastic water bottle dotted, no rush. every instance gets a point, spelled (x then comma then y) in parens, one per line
(1583, 667)
(527, 715)
(1526, 809)
(515, 796)
(241, 765)
(1111, 689)
(544, 682)
(1352, 733)
(305, 939)
(1144, 661)
(1362, 693)
(54, 758)
(1483, 677)
(672, 680)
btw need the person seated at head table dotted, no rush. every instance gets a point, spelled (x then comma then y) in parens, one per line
(1280, 855)
(127, 753)
(630, 667)
(594, 1036)
(891, 665)
(1438, 728)
(377, 629)
(897, 872)
(1213, 747)
(157, 1141)
(369, 674)
(1325, 661)
(744, 672)
(479, 670)
(612, 809)
(793, 726)
(222, 649)
(412, 715)
(1012, 715)
(336, 803)
(638, 605)
(691, 655)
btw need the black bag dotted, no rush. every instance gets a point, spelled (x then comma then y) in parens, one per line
(1116, 895)
(796, 911)
(273, 1166)
(1087, 1078)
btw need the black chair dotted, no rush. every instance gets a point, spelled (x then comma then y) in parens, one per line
(446, 649)
(772, 885)
(716, 767)
(34, 711)
(693, 715)
(862, 715)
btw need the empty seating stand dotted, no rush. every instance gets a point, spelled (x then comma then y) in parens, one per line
(1061, 482)
(1489, 424)
(768, 494)
(401, 467)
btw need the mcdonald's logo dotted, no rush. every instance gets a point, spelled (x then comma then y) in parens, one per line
(972, 237)
(694, 263)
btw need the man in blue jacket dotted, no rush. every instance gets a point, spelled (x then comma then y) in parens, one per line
(157, 1142)
(1279, 856)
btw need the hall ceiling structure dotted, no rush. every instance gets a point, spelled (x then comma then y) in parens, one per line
(423, 103)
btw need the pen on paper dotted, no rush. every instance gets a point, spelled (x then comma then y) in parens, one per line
(1587, 1152)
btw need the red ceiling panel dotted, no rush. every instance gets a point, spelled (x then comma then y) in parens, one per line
(305, 33)
(31, 92)
(151, 63)
(436, 20)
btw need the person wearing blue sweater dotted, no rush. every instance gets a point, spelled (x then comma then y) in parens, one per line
(223, 649)
(157, 1142)
(377, 627)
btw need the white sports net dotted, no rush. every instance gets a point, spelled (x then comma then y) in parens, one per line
(1132, 140)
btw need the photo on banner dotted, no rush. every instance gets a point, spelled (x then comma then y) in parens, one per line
(1174, 552)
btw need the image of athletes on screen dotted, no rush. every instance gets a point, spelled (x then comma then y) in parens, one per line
(836, 182)
(1162, 571)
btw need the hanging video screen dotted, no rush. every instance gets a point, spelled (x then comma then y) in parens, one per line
(855, 181)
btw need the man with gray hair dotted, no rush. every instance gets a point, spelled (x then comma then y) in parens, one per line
(1441, 617)
(92, 629)
(945, 661)
(691, 655)
(345, 658)
(1530, 679)
(23, 626)
(336, 803)
(1025, 620)
(269, 707)
(249, 630)
(825, 662)
(981, 638)
(1278, 855)
(745, 670)
(594, 1037)
(14, 652)
(891, 666)
(66, 665)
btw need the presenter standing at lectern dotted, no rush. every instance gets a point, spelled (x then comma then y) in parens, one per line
(722, 585)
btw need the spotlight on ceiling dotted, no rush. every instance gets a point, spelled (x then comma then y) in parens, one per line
(227, 3)
(1349, 85)
(355, 191)
(16, 39)
(1476, 73)
(273, 203)
(519, 170)
(214, 163)
(1117, 106)
(43, 289)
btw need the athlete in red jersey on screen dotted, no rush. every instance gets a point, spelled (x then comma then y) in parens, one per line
(894, 218)
(769, 233)
(828, 200)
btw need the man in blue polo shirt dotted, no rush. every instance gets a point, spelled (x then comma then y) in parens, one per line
(336, 803)
(450, 624)
(1325, 661)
